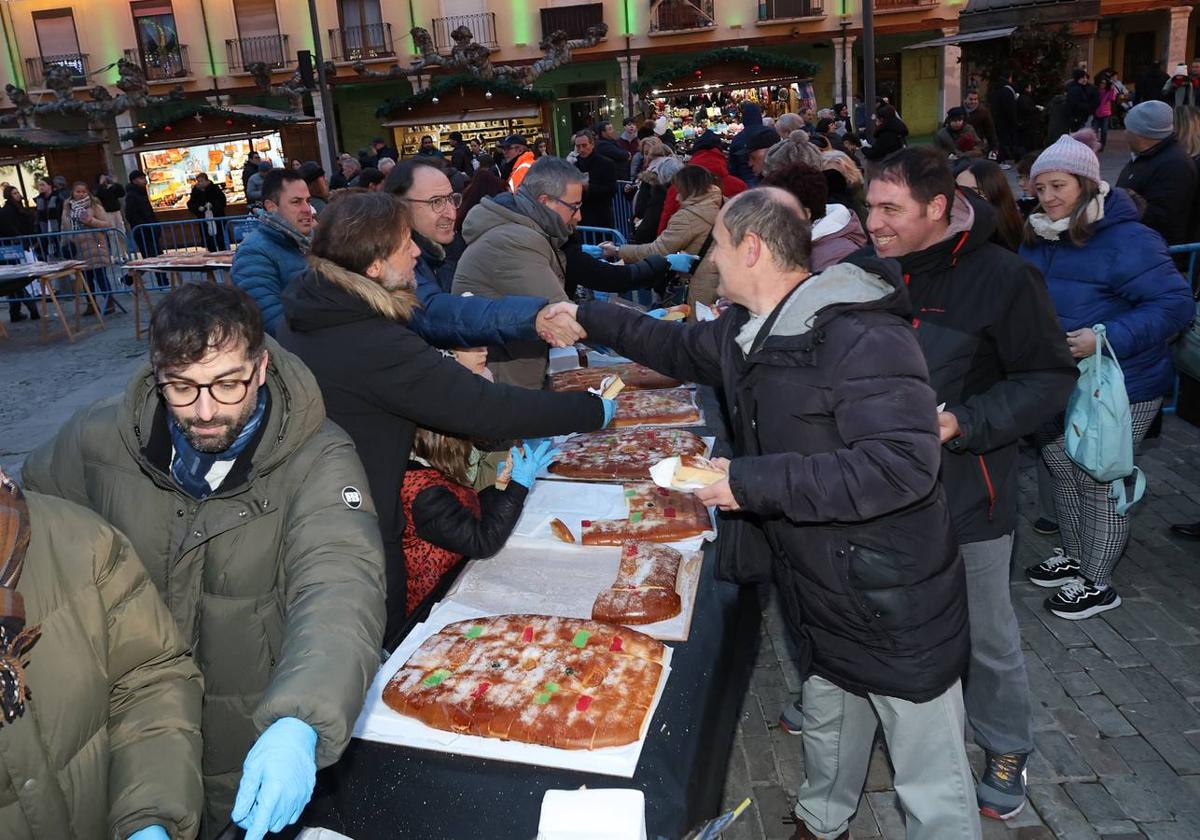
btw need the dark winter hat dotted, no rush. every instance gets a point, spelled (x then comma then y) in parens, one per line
(1153, 120)
(956, 113)
(311, 171)
(707, 140)
(761, 137)
(137, 173)
(513, 140)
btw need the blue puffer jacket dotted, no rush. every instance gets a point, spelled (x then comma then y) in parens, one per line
(263, 265)
(1122, 278)
(448, 321)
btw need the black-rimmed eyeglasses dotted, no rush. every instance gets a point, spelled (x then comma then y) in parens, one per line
(224, 391)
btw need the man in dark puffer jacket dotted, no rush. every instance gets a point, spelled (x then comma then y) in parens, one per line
(1001, 368)
(835, 425)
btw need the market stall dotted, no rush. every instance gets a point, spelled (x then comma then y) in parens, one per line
(403, 778)
(174, 147)
(27, 154)
(487, 110)
(707, 90)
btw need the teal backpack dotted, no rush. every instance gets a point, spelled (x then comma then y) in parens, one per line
(1099, 429)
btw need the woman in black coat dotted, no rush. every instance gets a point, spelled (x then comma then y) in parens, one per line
(890, 134)
(17, 219)
(346, 317)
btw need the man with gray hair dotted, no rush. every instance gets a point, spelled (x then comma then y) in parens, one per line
(787, 123)
(833, 492)
(515, 247)
(601, 175)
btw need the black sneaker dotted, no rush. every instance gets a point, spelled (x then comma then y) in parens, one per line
(791, 719)
(1053, 571)
(1047, 527)
(1080, 598)
(1001, 791)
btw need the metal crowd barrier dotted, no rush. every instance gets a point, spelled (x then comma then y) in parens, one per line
(1192, 275)
(188, 236)
(623, 210)
(596, 235)
(103, 249)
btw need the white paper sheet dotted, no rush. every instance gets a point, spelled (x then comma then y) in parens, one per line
(574, 501)
(376, 722)
(593, 814)
(565, 580)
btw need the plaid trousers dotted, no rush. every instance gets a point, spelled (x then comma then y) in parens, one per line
(1092, 532)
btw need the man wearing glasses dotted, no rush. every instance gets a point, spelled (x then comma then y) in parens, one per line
(251, 513)
(449, 320)
(515, 247)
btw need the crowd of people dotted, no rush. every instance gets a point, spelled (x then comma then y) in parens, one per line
(309, 451)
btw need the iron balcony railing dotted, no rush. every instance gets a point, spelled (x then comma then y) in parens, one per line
(38, 67)
(482, 26)
(361, 43)
(574, 20)
(892, 5)
(271, 50)
(681, 15)
(785, 9)
(162, 64)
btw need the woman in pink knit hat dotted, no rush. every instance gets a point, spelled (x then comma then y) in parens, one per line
(1102, 266)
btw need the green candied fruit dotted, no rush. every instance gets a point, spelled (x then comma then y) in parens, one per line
(435, 678)
(550, 687)
(475, 631)
(542, 699)
(581, 638)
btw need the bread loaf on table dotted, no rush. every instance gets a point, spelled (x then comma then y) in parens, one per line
(644, 591)
(560, 682)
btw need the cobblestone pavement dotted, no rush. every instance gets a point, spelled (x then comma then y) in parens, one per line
(1116, 697)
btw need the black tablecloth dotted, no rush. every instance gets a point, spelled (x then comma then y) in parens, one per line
(383, 791)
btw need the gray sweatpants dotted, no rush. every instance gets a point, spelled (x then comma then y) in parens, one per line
(997, 687)
(925, 741)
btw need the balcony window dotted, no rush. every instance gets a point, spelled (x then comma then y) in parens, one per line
(681, 15)
(58, 46)
(574, 20)
(363, 34)
(161, 55)
(482, 26)
(787, 9)
(259, 39)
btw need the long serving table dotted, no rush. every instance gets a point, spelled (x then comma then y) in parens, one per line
(14, 278)
(212, 264)
(383, 791)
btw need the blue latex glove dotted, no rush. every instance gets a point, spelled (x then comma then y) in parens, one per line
(528, 462)
(150, 832)
(610, 409)
(593, 251)
(277, 778)
(682, 263)
(657, 313)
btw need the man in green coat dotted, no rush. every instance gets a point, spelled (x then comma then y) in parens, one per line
(251, 512)
(104, 738)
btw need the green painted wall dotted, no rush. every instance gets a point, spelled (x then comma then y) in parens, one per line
(919, 74)
(560, 80)
(355, 112)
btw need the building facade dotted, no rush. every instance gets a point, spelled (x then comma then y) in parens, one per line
(205, 48)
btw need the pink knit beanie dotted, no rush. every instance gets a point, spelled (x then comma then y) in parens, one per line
(1067, 155)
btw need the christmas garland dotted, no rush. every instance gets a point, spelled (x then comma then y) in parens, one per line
(502, 86)
(44, 138)
(165, 116)
(769, 62)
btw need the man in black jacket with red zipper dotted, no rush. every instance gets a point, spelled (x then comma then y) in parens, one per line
(1000, 365)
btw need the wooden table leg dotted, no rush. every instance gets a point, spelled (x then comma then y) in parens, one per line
(79, 279)
(49, 297)
(87, 291)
